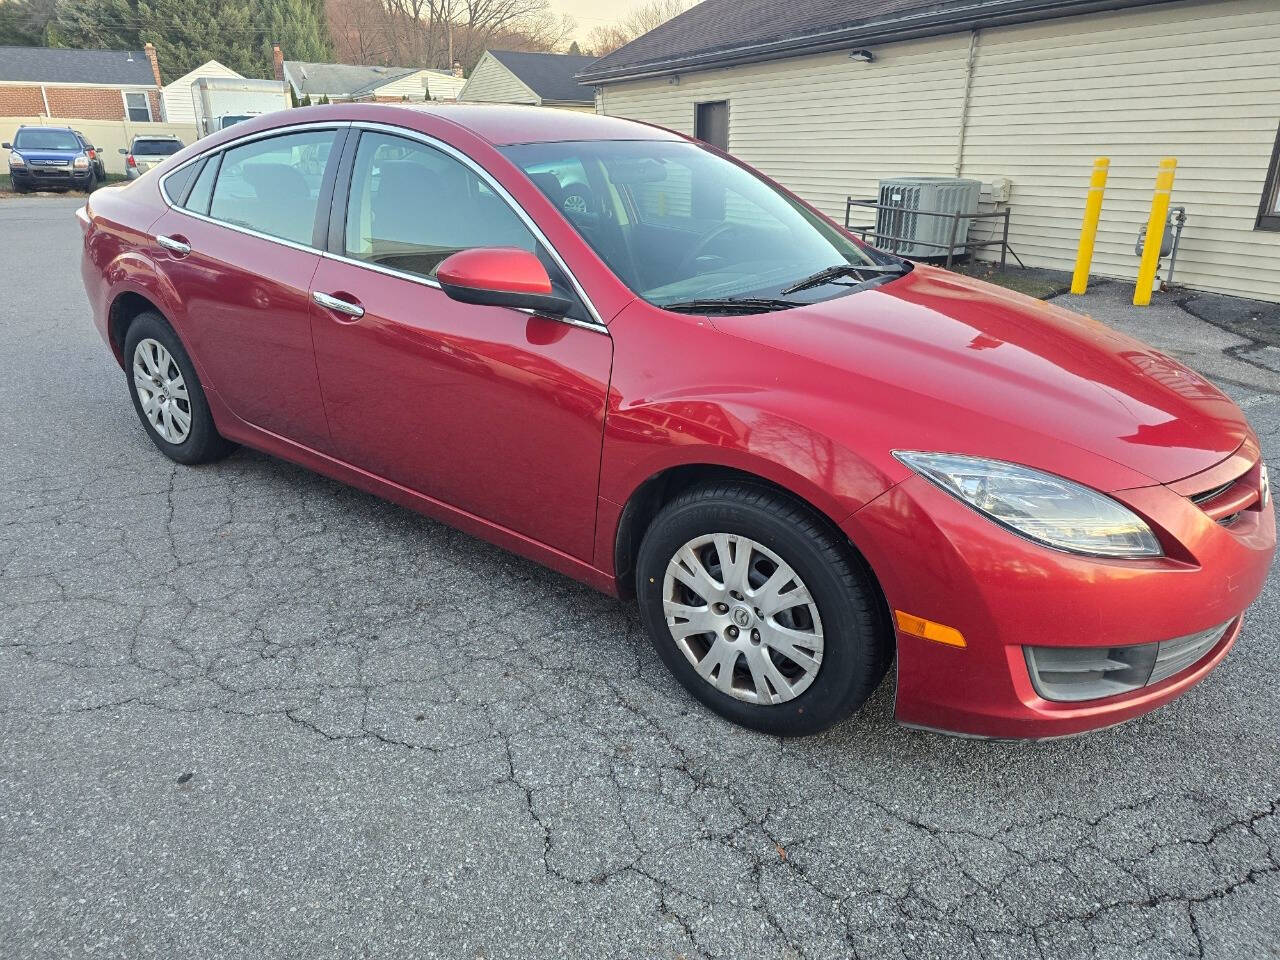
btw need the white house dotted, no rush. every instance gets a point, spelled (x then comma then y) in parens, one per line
(829, 98)
(175, 97)
(539, 79)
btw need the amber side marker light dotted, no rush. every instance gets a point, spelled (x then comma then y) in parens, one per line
(920, 627)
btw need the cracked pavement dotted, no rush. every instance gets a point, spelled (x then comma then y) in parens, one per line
(248, 712)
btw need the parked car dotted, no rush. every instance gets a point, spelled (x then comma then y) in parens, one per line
(638, 361)
(51, 158)
(147, 152)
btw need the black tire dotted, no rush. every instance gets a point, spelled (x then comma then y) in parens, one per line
(857, 642)
(21, 188)
(203, 443)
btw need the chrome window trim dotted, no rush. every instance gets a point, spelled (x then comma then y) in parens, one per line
(596, 324)
(230, 145)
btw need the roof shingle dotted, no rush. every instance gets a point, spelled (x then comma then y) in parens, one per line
(110, 68)
(340, 79)
(724, 30)
(552, 76)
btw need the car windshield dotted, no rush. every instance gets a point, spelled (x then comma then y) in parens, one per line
(36, 139)
(155, 148)
(685, 228)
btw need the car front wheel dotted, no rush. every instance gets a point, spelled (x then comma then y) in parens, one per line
(760, 609)
(167, 394)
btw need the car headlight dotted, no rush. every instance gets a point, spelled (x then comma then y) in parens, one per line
(15, 160)
(1039, 506)
(80, 163)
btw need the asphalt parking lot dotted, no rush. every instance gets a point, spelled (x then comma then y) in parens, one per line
(248, 712)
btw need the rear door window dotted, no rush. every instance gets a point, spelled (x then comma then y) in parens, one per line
(202, 192)
(273, 185)
(175, 185)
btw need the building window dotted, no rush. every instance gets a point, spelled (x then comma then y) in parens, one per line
(137, 106)
(1269, 210)
(711, 123)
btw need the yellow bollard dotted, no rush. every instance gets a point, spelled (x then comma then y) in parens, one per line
(1155, 232)
(1089, 229)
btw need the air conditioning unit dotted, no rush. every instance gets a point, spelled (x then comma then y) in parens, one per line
(902, 226)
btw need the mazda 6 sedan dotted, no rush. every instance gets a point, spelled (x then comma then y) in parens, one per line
(632, 358)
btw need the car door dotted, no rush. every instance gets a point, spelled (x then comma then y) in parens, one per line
(492, 410)
(240, 251)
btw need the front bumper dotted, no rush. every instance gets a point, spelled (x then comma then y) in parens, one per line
(51, 178)
(939, 559)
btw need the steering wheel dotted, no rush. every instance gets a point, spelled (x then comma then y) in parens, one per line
(576, 200)
(699, 251)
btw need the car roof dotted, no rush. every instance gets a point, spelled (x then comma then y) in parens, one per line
(157, 136)
(504, 124)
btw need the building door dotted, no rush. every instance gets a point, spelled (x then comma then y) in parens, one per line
(711, 123)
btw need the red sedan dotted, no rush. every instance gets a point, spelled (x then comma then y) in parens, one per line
(629, 357)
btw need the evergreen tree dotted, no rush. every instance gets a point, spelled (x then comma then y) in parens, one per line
(299, 26)
(236, 33)
(574, 49)
(188, 34)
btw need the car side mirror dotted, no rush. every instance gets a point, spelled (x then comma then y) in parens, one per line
(124, 152)
(501, 277)
(6, 145)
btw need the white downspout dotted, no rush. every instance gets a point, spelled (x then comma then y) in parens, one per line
(964, 102)
(45, 97)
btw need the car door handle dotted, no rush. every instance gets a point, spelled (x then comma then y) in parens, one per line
(336, 305)
(177, 246)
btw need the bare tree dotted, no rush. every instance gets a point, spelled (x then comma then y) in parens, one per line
(435, 33)
(642, 19)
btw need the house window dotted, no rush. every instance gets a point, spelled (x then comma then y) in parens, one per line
(137, 106)
(711, 123)
(1269, 211)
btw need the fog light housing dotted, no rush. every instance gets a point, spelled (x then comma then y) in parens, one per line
(1071, 674)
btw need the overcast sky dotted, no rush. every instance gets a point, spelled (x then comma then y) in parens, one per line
(593, 13)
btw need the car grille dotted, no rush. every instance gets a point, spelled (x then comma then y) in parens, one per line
(1225, 502)
(1090, 673)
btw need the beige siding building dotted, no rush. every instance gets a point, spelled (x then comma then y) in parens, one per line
(1031, 101)
(537, 79)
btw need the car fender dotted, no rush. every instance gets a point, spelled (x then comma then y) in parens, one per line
(134, 271)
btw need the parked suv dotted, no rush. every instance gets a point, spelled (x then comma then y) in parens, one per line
(51, 158)
(147, 152)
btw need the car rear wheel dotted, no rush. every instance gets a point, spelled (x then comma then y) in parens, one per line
(760, 609)
(167, 394)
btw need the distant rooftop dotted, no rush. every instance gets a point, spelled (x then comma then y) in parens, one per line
(340, 79)
(59, 65)
(550, 75)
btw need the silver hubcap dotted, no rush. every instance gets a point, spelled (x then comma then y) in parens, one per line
(743, 618)
(161, 390)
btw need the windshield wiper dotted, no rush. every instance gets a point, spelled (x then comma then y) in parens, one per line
(731, 305)
(844, 270)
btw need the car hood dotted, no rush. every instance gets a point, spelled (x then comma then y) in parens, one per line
(63, 156)
(973, 368)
